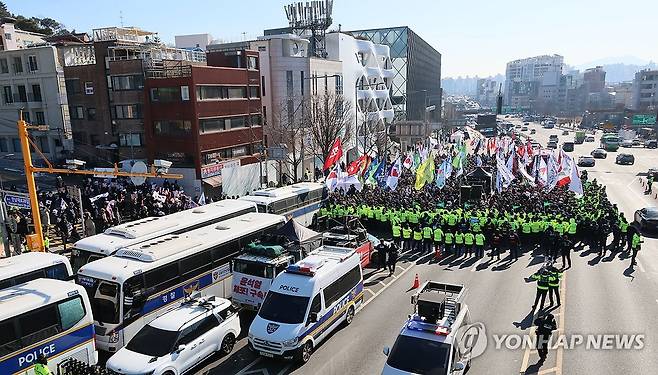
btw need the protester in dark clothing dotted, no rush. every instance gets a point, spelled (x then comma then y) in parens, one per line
(546, 324)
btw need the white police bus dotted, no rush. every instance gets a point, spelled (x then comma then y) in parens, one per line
(22, 268)
(45, 316)
(141, 282)
(104, 244)
(299, 201)
(307, 302)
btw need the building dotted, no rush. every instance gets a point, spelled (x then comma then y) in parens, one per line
(571, 94)
(193, 41)
(487, 92)
(105, 86)
(410, 133)
(416, 85)
(645, 90)
(594, 80)
(534, 82)
(32, 79)
(207, 120)
(12, 38)
(623, 93)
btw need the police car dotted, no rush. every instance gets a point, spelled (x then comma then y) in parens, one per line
(178, 340)
(435, 340)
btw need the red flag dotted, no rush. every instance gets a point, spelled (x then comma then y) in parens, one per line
(335, 154)
(356, 165)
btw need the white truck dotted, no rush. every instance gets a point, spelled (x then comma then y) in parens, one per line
(436, 339)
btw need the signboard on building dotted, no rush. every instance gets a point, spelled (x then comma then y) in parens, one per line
(15, 199)
(216, 169)
(644, 119)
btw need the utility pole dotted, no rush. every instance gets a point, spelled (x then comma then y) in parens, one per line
(30, 170)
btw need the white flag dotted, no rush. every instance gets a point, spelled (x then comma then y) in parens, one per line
(575, 184)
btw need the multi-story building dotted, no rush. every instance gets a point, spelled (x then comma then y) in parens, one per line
(571, 94)
(207, 120)
(623, 93)
(594, 80)
(487, 92)
(12, 38)
(533, 82)
(32, 79)
(193, 41)
(645, 90)
(105, 84)
(416, 84)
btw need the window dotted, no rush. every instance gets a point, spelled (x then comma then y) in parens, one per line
(237, 122)
(185, 93)
(16, 144)
(8, 96)
(222, 254)
(130, 139)
(162, 278)
(252, 62)
(340, 287)
(127, 111)
(4, 67)
(339, 84)
(18, 64)
(129, 82)
(264, 113)
(89, 88)
(39, 325)
(221, 92)
(165, 94)
(71, 312)
(77, 112)
(44, 146)
(40, 118)
(3, 145)
(253, 91)
(301, 81)
(228, 312)
(26, 116)
(22, 93)
(262, 85)
(256, 120)
(72, 86)
(32, 63)
(36, 93)
(57, 272)
(91, 114)
(9, 339)
(212, 125)
(195, 265)
(289, 83)
(172, 127)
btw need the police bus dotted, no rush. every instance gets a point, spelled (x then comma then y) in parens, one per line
(299, 201)
(44, 316)
(22, 268)
(141, 282)
(101, 245)
(307, 302)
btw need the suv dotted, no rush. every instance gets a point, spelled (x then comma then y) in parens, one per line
(174, 343)
(651, 143)
(626, 159)
(433, 340)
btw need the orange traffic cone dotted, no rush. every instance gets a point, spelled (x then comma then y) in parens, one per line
(416, 282)
(437, 253)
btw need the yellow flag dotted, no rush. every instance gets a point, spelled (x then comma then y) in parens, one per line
(425, 172)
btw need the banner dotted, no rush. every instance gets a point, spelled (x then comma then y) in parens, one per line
(335, 153)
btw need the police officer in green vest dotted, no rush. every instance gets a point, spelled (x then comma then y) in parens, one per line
(418, 238)
(459, 243)
(438, 238)
(623, 228)
(526, 232)
(449, 242)
(406, 236)
(396, 230)
(479, 245)
(41, 368)
(469, 241)
(636, 242)
(542, 277)
(427, 238)
(554, 285)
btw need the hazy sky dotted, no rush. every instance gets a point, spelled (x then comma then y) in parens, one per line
(474, 37)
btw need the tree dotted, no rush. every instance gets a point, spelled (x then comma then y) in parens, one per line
(47, 26)
(4, 12)
(288, 129)
(331, 116)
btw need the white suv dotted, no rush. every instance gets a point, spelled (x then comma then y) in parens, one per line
(175, 342)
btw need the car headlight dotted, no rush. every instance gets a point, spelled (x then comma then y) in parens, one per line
(114, 337)
(291, 342)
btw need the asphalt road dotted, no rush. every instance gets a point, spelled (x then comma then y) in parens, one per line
(600, 297)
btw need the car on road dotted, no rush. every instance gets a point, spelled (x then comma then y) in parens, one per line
(651, 143)
(599, 153)
(653, 172)
(647, 219)
(533, 131)
(553, 137)
(433, 340)
(175, 342)
(526, 123)
(586, 161)
(565, 132)
(637, 142)
(589, 138)
(551, 144)
(568, 146)
(626, 143)
(625, 159)
(524, 128)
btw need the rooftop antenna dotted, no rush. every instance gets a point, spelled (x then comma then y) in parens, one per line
(244, 35)
(121, 17)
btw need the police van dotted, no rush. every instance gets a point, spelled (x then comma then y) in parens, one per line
(437, 338)
(307, 302)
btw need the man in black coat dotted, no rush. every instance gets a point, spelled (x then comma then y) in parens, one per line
(392, 257)
(545, 326)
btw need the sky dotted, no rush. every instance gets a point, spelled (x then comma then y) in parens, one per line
(475, 37)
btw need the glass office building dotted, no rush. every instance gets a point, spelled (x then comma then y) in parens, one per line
(417, 65)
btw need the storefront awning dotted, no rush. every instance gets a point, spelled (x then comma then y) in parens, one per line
(213, 181)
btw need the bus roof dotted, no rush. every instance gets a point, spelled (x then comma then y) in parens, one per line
(34, 294)
(145, 229)
(132, 260)
(269, 195)
(26, 262)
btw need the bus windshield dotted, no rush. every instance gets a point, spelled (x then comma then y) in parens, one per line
(253, 269)
(81, 257)
(104, 297)
(283, 308)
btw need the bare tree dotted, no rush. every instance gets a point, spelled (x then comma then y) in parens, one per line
(330, 116)
(288, 129)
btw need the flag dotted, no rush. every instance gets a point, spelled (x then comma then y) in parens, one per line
(575, 184)
(374, 173)
(552, 172)
(417, 161)
(478, 161)
(408, 161)
(332, 178)
(202, 199)
(542, 172)
(394, 175)
(448, 168)
(335, 153)
(372, 167)
(505, 176)
(425, 172)
(381, 174)
(441, 175)
(356, 166)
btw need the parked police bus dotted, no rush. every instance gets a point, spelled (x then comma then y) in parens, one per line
(140, 282)
(107, 243)
(22, 268)
(307, 302)
(45, 316)
(300, 201)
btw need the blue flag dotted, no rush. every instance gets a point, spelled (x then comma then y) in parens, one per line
(441, 175)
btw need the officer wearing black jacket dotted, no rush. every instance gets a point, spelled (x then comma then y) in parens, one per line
(392, 257)
(545, 326)
(382, 249)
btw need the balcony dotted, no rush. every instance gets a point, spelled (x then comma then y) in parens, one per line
(122, 34)
(170, 72)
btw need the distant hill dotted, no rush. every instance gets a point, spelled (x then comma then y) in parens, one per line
(624, 72)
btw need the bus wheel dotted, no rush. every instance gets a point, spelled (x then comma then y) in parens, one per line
(304, 353)
(350, 316)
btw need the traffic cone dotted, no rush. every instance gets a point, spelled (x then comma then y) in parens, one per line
(437, 253)
(416, 283)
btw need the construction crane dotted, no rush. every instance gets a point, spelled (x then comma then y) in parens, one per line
(30, 170)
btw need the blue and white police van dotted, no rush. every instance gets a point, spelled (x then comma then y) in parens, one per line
(307, 302)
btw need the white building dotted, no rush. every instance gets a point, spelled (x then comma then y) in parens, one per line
(533, 79)
(368, 75)
(32, 78)
(191, 41)
(12, 38)
(645, 90)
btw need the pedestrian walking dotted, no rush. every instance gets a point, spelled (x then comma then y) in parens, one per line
(546, 324)
(565, 250)
(381, 255)
(392, 258)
